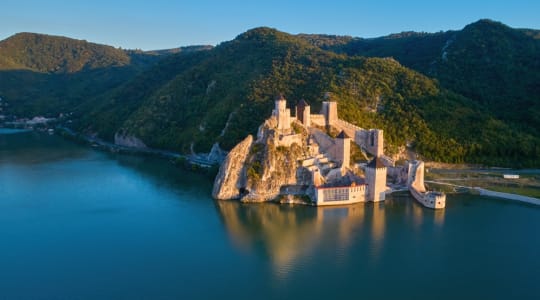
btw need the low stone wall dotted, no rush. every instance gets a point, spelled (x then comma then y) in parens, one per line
(318, 120)
(531, 200)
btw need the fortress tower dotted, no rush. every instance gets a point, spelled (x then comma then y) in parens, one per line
(375, 142)
(329, 111)
(282, 113)
(303, 113)
(376, 180)
(343, 149)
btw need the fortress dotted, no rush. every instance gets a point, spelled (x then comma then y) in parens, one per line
(370, 140)
(310, 155)
(329, 159)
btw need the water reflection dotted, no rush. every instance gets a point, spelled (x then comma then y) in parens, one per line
(378, 228)
(289, 236)
(293, 236)
(282, 233)
(30, 148)
(13, 131)
(418, 214)
(163, 174)
(439, 217)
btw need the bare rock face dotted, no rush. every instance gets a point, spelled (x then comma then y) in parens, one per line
(128, 141)
(231, 177)
(271, 169)
(256, 171)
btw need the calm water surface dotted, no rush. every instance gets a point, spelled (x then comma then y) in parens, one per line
(80, 224)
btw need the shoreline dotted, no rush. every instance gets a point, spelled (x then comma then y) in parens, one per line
(490, 193)
(197, 161)
(114, 148)
(508, 196)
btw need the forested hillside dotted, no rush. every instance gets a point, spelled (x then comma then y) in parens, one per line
(488, 62)
(235, 84)
(45, 75)
(453, 107)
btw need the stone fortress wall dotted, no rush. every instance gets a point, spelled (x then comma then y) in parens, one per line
(336, 149)
(371, 140)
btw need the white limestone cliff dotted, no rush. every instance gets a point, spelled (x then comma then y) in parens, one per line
(256, 171)
(232, 173)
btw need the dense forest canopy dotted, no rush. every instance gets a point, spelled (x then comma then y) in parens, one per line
(456, 96)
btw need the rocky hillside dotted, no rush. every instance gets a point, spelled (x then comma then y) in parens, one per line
(256, 170)
(223, 94)
(190, 100)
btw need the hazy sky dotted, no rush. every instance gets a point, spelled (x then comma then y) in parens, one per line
(160, 24)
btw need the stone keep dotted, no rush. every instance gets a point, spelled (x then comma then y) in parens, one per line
(375, 142)
(329, 111)
(376, 180)
(282, 113)
(303, 113)
(343, 149)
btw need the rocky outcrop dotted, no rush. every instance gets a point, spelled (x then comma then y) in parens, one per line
(257, 171)
(126, 140)
(270, 169)
(231, 178)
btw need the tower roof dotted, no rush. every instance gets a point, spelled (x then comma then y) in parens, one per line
(302, 103)
(376, 163)
(343, 135)
(280, 97)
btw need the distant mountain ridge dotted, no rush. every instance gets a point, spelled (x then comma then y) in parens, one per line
(46, 74)
(185, 49)
(189, 100)
(53, 54)
(487, 61)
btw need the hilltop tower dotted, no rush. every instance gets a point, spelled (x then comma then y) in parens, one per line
(375, 142)
(343, 149)
(303, 113)
(329, 111)
(282, 113)
(376, 180)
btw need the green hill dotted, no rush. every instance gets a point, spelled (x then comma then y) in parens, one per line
(43, 74)
(54, 54)
(235, 83)
(488, 62)
(192, 99)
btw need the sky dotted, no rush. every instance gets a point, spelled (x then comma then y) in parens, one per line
(162, 24)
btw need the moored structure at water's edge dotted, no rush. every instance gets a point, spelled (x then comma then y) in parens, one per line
(418, 190)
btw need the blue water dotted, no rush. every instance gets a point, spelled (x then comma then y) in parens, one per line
(76, 223)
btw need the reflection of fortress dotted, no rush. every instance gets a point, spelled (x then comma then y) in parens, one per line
(329, 159)
(289, 234)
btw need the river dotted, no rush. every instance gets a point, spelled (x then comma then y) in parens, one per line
(76, 223)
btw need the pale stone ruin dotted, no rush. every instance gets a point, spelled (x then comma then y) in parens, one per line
(313, 164)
